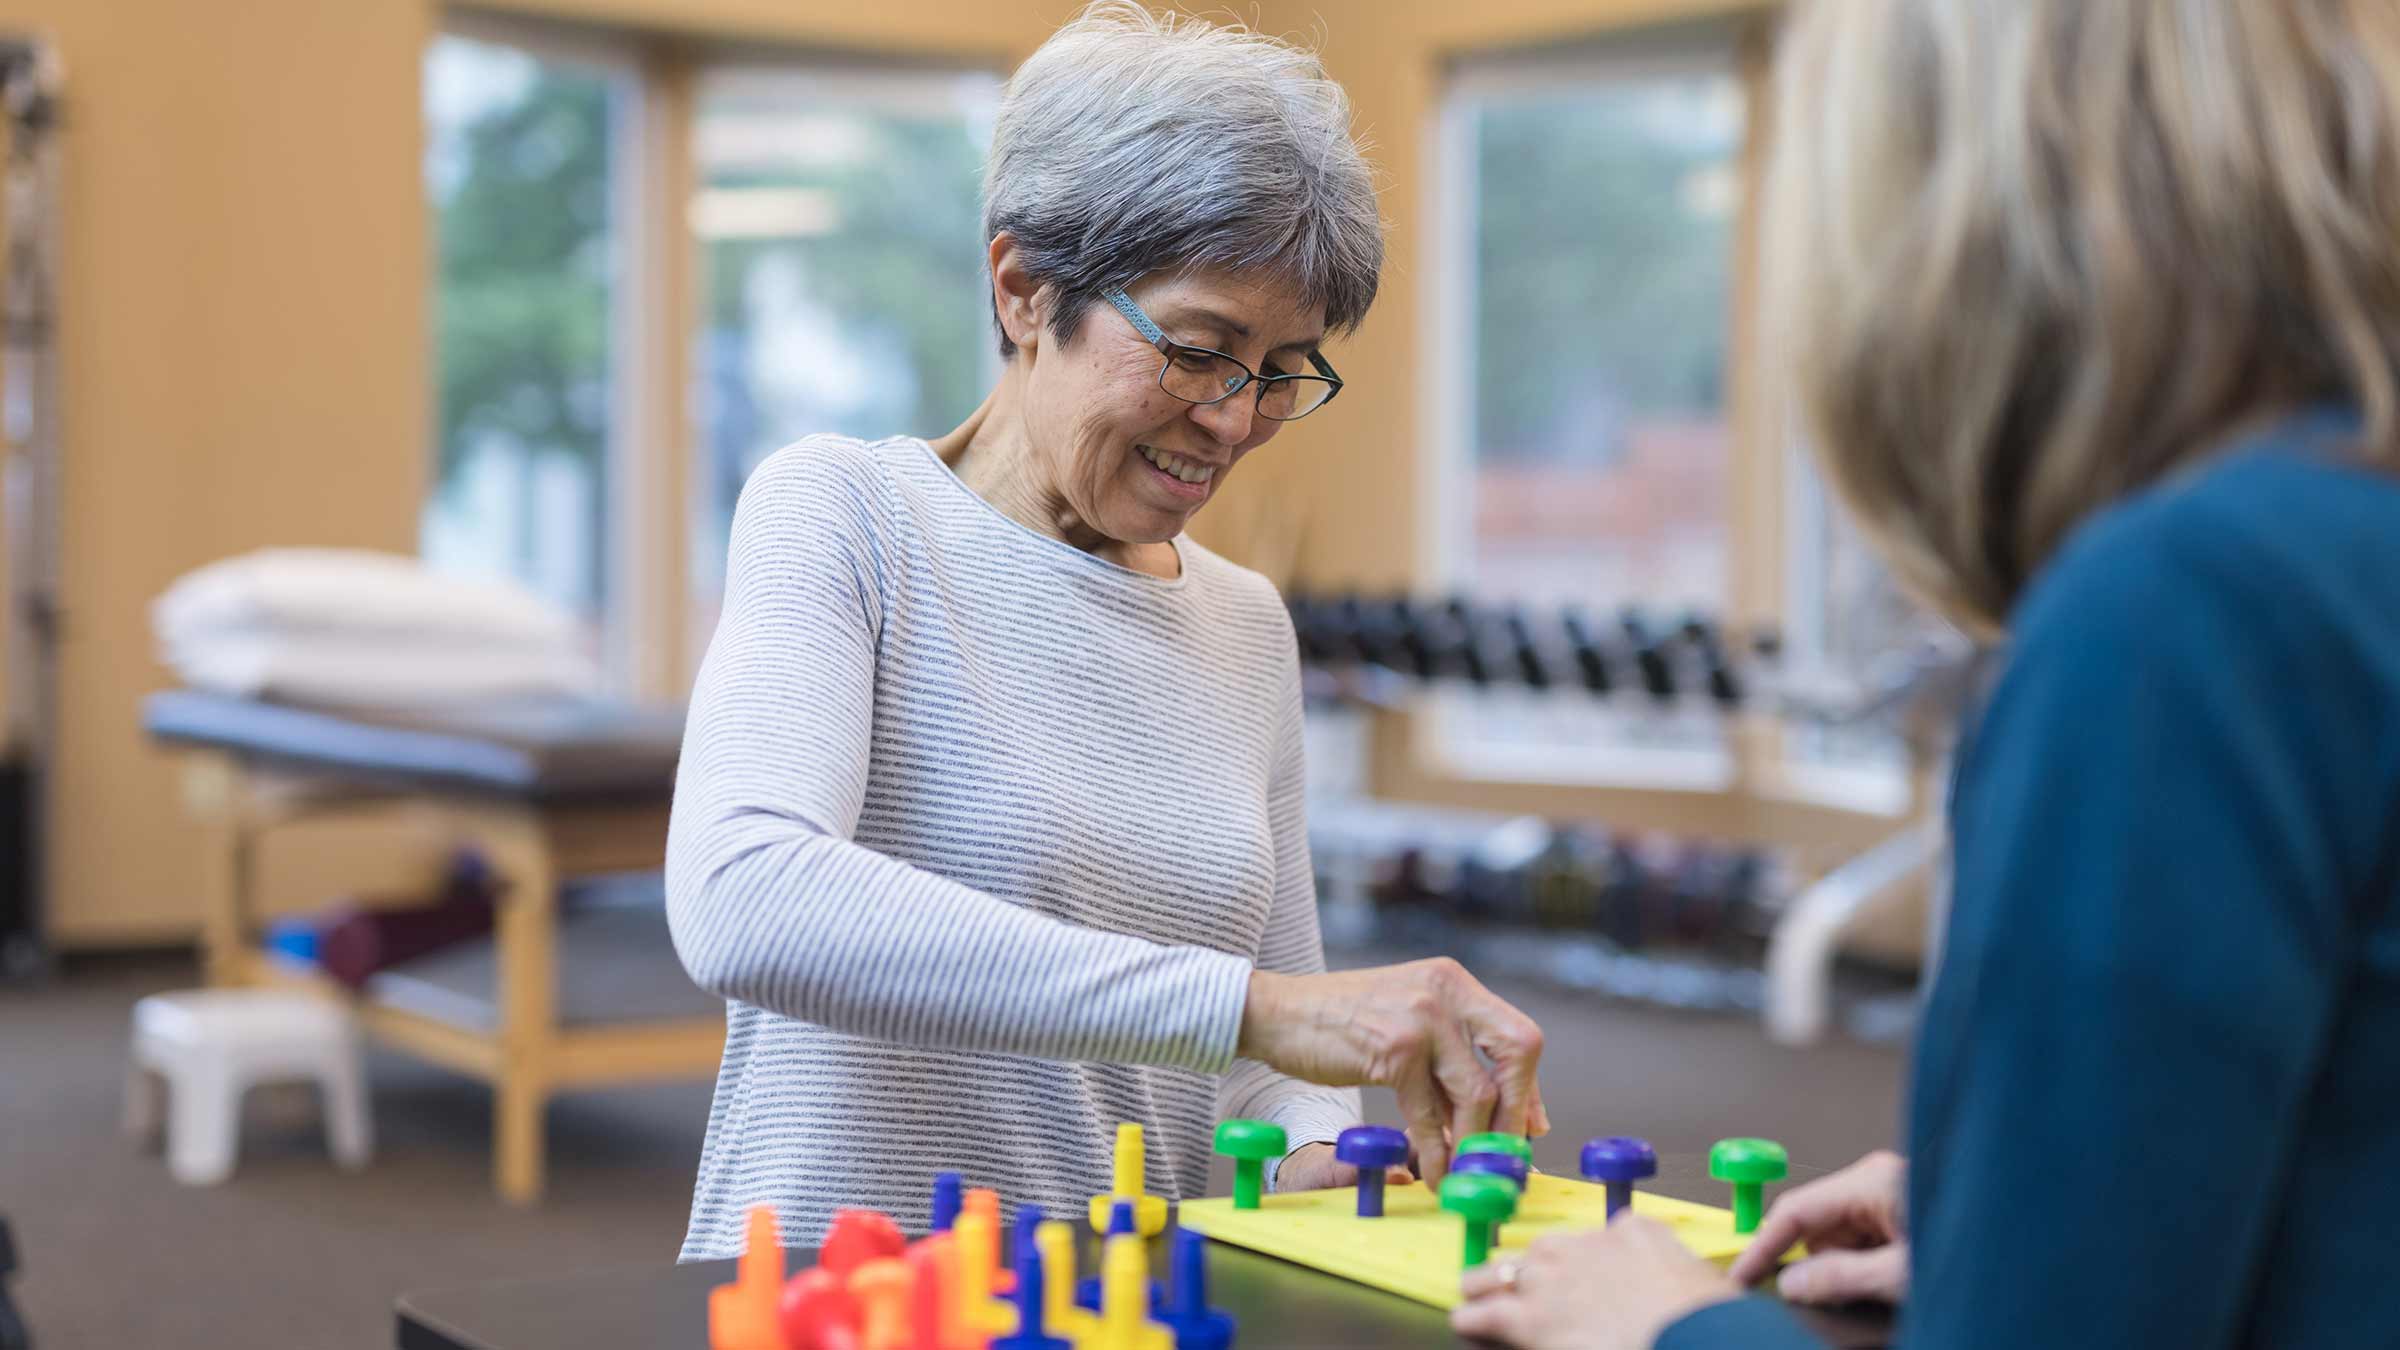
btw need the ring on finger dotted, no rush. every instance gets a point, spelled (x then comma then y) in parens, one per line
(1511, 1272)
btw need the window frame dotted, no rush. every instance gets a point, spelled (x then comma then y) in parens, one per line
(1445, 529)
(627, 581)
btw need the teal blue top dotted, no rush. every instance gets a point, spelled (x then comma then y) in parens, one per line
(2156, 1098)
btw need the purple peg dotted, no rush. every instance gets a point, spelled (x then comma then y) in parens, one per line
(1508, 1165)
(1619, 1162)
(1196, 1325)
(1371, 1149)
(949, 1195)
(1031, 1333)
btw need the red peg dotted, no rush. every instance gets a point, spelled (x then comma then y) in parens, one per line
(817, 1312)
(929, 1260)
(856, 1237)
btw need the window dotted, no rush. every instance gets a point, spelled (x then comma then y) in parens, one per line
(527, 177)
(838, 218)
(1585, 242)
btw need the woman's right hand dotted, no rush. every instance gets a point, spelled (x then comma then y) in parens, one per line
(1461, 1059)
(1854, 1224)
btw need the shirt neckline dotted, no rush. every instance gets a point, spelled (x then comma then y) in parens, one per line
(1055, 545)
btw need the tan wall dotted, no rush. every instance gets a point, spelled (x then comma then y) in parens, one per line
(243, 320)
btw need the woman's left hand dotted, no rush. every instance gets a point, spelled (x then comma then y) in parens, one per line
(1312, 1167)
(1613, 1288)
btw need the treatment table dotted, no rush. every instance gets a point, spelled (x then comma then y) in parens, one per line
(549, 792)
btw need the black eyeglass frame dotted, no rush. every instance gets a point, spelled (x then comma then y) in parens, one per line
(1168, 347)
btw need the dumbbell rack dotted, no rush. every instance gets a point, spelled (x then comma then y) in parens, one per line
(1738, 933)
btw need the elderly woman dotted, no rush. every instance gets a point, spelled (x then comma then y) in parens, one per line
(2097, 315)
(990, 824)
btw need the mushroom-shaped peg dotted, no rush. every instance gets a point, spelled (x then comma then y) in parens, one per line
(1617, 1163)
(881, 1288)
(1371, 1149)
(1513, 1145)
(1748, 1164)
(1508, 1165)
(1484, 1202)
(818, 1313)
(1250, 1143)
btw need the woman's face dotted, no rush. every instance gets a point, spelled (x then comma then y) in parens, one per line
(1129, 460)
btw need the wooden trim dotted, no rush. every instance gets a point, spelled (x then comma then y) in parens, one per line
(1757, 538)
(655, 483)
(641, 1051)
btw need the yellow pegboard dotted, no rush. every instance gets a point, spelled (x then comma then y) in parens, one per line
(1415, 1249)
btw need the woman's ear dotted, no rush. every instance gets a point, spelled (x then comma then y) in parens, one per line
(1017, 298)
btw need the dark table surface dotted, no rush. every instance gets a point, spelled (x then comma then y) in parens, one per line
(1276, 1303)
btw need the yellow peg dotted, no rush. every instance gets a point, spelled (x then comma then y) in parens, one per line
(1056, 1242)
(1125, 1301)
(882, 1288)
(966, 1324)
(1149, 1211)
(742, 1315)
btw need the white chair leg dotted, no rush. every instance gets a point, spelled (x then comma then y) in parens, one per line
(205, 1123)
(1801, 950)
(145, 1103)
(349, 1126)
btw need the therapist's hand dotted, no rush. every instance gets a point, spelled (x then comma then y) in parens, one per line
(1613, 1288)
(1460, 1058)
(1851, 1221)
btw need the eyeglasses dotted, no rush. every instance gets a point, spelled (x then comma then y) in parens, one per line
(1205, 376)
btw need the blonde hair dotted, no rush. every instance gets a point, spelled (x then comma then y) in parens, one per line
(2027, 256)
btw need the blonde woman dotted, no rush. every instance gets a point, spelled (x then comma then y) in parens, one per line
(2096, 310)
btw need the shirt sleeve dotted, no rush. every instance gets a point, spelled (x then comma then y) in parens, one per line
(1292, 944)
(2147, 943)
(772, 903)
(1751, 1323)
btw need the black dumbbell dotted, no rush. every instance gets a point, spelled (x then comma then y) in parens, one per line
(1528, 653)
(1590, 661)
(1652, 656)
(1724, 685)
(1415, 643)
(1463, 641)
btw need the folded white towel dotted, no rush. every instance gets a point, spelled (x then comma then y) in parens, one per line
(365, 672)
(362, 629)
(355, 590)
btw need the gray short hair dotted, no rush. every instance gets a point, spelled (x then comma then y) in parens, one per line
(1134, 142)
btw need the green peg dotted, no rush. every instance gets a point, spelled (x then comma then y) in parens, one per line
(1749, 1164)
(1250, 1143)
(1513, 1145)
(1485, 1202)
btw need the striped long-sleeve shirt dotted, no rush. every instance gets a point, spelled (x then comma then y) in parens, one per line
(980, 836)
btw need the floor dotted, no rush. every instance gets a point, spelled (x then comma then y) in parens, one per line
(292, 1253)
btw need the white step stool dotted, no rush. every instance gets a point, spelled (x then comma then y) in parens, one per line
(208, 1046)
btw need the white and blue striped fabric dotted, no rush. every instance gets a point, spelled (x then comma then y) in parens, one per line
(980, 836)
